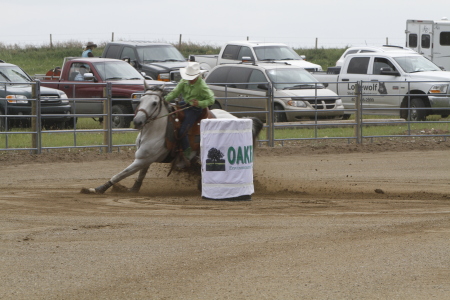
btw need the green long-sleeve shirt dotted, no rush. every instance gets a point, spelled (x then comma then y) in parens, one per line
(198, 91)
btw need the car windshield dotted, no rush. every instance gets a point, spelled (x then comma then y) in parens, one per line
(276, 53)
(413, 64)
(159, 53)
(292, 79)
(117, 70)
(13, 74)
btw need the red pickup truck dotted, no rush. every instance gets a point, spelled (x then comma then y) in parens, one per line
(84, 79)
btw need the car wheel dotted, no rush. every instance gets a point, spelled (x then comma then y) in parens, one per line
(216, 105)
(417, 114)
(279, 117)
(120, 121)
(345, 116)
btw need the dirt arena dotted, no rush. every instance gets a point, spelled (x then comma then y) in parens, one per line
(327, 221)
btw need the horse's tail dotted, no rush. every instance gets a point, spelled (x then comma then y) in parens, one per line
(257, 127)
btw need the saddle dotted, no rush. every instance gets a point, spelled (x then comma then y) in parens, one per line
(173, 128)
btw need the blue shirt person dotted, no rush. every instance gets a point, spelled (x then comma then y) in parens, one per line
(88, 50)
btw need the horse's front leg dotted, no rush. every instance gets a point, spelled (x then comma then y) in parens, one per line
(137, 184)
(136, 165)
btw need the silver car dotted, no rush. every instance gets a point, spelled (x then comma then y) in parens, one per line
(296, 93)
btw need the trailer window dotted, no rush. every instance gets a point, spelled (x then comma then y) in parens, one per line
(425, 42)
(444, 38)
(412, 40)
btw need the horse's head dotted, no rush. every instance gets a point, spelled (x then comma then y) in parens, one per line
(151, 106)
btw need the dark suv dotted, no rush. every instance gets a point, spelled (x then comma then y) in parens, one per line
(160, 61)
(15, 95)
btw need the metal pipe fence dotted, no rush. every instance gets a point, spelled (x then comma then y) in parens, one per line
(363, 126)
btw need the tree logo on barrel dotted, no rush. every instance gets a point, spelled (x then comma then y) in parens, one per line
(215, 161)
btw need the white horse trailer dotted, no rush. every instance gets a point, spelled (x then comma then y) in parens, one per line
(431, 39)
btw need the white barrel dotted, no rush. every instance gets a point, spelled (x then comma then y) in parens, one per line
(226, 148)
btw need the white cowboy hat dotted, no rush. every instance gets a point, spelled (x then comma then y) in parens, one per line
(191, 71)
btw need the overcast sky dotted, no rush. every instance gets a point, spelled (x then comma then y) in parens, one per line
(297, 23)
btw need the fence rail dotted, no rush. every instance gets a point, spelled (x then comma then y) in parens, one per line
(107, 138)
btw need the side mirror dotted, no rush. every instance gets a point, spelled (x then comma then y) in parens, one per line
(389, 71)
(88, 77)
(126, 59)
(191, 58)
(247, 59)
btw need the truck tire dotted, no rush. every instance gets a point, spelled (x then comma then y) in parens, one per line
(120, 121)
(416, 114)
(279, 117)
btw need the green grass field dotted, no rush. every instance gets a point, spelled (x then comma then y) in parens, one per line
(96, 135)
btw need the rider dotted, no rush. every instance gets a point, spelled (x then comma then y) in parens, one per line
(197, 96)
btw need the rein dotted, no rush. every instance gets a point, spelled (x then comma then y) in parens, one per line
(150, 118)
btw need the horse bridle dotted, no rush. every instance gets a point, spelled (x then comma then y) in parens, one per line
(150, 117)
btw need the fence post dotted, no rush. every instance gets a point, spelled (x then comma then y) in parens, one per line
(358, 113)
(36, 125)
(270, 116)
(107, 104)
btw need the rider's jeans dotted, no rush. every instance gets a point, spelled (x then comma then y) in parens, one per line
(190, 116)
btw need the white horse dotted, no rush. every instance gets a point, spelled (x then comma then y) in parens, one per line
(151, 118)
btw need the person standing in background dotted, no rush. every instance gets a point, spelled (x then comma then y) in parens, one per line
(88, 50)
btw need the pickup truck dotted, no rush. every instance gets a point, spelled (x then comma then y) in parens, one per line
(15, 92)
(393, 83)
(77, 78)
(233, 52)
(159, 61)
